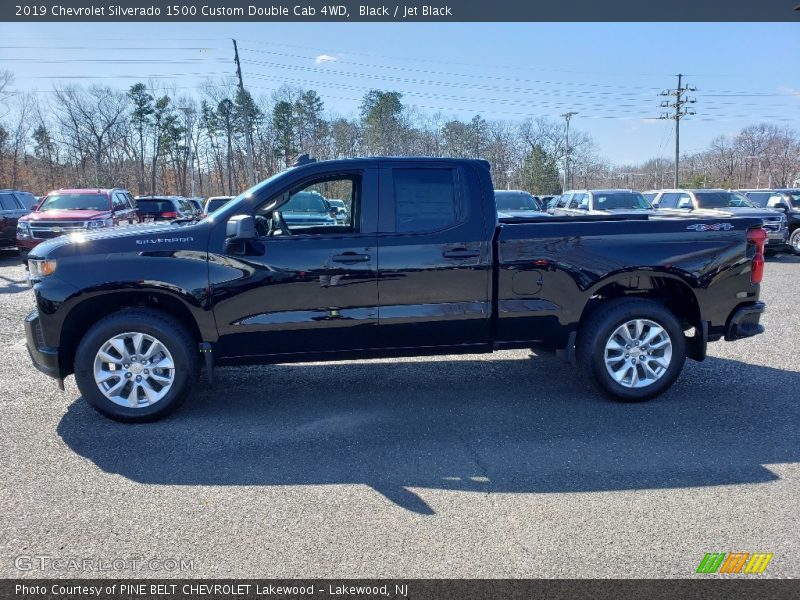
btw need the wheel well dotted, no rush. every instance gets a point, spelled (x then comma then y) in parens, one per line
(675, 295)
(90, 311)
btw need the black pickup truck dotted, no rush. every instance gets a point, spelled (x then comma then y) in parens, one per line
(421, 266)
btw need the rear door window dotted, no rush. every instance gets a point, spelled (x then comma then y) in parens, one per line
(425, 200)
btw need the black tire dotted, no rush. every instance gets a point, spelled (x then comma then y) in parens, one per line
(794, 241)
(169, 332)
(597, 330)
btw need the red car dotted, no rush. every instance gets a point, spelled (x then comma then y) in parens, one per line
(70, 211)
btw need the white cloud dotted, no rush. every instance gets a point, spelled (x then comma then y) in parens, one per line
(323, 58)
(790, 91)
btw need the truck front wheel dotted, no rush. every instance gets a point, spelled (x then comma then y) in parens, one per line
(136, 365)
(794, 241)
(633, 348)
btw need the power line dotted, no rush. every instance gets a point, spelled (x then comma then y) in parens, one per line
(470, 75)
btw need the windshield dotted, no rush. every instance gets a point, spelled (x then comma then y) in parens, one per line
(306, 202)
(620, 200)
(722, 200)
(515, 201)
(759, 198)
(216, 203)
(75, 202)
(337, 203)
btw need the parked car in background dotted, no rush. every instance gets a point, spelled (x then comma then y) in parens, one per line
(516, 204)
(602, 202)
(342, 214)
(785, 200)
(215, 202)
(164, 208)
(13, 205)
(75, 210)
(308, 209)
(552, 203)
(676, 201)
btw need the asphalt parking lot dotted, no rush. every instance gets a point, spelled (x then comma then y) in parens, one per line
(481, 466)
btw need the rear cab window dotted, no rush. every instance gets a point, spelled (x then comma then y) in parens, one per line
(426, 199)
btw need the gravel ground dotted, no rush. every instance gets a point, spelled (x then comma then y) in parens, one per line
(477, 466)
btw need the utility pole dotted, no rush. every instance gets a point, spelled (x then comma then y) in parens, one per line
(187, 111)
(567, 116)
(758, 158)
(680, 112)
(245, 109)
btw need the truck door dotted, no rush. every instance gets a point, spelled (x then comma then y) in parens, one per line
(434, 257)
(306, 287)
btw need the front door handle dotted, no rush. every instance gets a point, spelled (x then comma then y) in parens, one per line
(350, 257)
(461, 253)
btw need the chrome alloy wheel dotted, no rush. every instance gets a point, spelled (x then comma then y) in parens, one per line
(795, 241)
(638, 353)
(134, 370)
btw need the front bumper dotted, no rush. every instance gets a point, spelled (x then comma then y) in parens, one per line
(44, 358)
(778, 240)
(743, 322)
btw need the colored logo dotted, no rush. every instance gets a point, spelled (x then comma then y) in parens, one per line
(735, 562)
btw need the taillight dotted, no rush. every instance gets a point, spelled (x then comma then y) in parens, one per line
(757, 236)
(169, 215)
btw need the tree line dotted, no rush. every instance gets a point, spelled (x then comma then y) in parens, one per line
(153, 140)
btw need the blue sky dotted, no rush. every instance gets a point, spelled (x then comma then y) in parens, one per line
(609, 73)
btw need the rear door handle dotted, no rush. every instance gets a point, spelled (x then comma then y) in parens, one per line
(461, 253)
(350, 257)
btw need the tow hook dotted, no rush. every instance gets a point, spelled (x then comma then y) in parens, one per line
(208, 354)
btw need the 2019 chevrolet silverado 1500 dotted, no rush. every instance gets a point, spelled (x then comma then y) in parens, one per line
(421, 267)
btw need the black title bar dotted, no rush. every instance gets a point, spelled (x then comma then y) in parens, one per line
(406, 10)
(743, 588)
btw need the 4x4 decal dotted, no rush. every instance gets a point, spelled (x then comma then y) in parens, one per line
(711, 227)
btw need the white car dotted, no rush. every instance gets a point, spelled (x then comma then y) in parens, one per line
(342, 216)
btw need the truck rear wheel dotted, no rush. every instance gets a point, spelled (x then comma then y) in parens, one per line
(136, 365)
(634, 349)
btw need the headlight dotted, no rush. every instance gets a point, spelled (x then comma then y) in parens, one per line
(23, 229)
(39, 268)
(98, 223)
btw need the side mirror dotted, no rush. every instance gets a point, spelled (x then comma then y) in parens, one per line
(240, 228)
(783, 207)
(334, 211)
